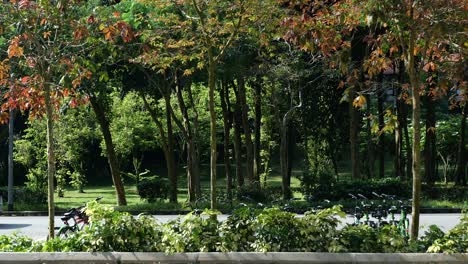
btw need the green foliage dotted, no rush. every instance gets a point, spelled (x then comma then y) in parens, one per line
(111, 231)
(60, 175)
(237, 231)
(195, 233)
(133, 131)
(355, 239)
(246, 230)
(15, 243)
(340, 189)
(77, 181)
(276, 231)
(455, 241)
(152, 188)
(319, 229)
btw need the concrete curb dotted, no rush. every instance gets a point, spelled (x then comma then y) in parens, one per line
(183, 212)
(235, 257)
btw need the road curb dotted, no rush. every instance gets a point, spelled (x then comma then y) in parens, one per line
(235, 257)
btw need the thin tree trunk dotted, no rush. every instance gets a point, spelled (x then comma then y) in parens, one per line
(399, 159)
(430, 150)
(111, 156)
(257, 128)
(370, 143)
(247, 133)
(225, 106)
(404, 128)
(284, 161)
(11, 123)
(170, 159)
(188, 134)
(213, 142)
(460, 174)
(50, 160)
(238, 146)
(416, 168)
(380, 102)
(195, 155)
(354, 137)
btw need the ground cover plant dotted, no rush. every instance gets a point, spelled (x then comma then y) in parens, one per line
(246, 230)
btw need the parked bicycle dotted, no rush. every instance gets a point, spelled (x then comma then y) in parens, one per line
(73, 220)
(384, 211)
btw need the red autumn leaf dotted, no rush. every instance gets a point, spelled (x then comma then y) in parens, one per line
(90, 19)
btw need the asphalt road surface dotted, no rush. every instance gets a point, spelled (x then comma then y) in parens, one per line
(36, 226)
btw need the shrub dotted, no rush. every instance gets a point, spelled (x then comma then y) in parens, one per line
(111, 231)
(153, 188)
(455, 241)
(319, 229)
(276, 230)
(15, 243)
(196, 233)
(237, 231)
(361, 238)
(339, 190)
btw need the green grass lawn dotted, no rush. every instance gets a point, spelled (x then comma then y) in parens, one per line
(74, 199)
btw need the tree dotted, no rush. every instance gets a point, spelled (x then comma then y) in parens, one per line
(422, 31)
(41, 57)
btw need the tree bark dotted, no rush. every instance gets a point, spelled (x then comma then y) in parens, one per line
(257, 129)
(225, 105)
(399, 159)
(460, 174)
(194, 151)
(286, 179)
(354, 136)
(247, 133)
(370, 143)
(50, 160)
(238, 146)
(416, 103)
(11, 123)
(111, 156)
(380, 107)
(170, 160)
(191, 150)
(213, 142)
(430, 151)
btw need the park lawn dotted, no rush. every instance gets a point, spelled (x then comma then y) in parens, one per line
(74, 199)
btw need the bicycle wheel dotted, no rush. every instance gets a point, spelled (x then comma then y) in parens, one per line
(64, 232)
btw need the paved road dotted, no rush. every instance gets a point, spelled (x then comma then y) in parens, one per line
(36, 226)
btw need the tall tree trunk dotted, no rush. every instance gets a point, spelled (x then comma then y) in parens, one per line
(195, 155)
(257, 128)
(399, 159)
(460, 174)
(11, 124)
(354, 136)
(190, 143)
(247, 133)
(225, 105)
(238, 146)
(213, 142)
(370, 143)
(286, 182)
(430, 151)
(50, 160)
(380, 107)
(170, 159)
(404, 128)
(416, 100)
(111, 156)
